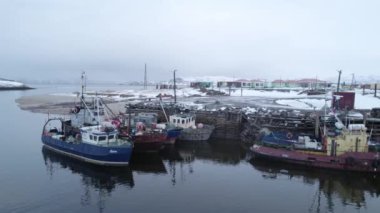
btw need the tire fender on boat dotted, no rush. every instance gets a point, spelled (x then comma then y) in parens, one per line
(116, 123)
(76, 110)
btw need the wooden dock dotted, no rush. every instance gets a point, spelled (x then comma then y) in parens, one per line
(234, 124)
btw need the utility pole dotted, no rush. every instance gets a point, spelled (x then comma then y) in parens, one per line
(340, 72)
(174, 87)
(145, 79)
(375, 90)
(352, 81)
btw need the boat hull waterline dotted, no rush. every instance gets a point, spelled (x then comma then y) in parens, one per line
(349, 161)
(107, 156)
(199, 134)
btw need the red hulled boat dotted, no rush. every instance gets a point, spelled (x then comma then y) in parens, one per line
(344, 149)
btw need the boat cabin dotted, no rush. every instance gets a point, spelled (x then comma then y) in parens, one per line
(353, 139)
(98, 135)
(183, 120)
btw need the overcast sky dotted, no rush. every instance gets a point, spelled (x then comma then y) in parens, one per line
(112, 39)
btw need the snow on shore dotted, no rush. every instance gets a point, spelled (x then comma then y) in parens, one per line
(367, 101)
(130, 94)
(264, 93)
(10, 84)
(286, 98)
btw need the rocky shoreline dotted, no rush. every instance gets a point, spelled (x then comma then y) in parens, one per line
(16, 88)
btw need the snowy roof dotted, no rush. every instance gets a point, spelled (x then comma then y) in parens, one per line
(310, 80)
(279, 81)
(243, 80)
(304, 80)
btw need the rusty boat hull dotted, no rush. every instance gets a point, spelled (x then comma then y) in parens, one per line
(349, 161)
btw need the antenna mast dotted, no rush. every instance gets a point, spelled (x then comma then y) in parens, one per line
(352, 81)
(145, 79)
(340, 72)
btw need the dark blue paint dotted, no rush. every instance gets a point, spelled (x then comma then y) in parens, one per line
(91, 151)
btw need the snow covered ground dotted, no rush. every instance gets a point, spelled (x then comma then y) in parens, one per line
(286, 98)
(10, 84)
(264, 93)
(367, 101)
(131, 94)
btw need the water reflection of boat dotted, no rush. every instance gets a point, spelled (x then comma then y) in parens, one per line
(180, 157)
(147, 163)
(101, 177)
(351, 188)
(98, 182)
(216, 151)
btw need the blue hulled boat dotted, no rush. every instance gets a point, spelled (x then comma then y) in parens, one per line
(94, 144)
(287, 139)
(88, 136)
(172, 134)
(284, 139)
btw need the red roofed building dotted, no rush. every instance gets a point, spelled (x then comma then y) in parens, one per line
(303, 83)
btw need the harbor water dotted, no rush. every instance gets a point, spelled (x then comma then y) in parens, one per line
(210, 176)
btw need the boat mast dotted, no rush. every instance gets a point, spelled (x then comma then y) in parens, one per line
(325, 119)
(83, 78)
(83, 104)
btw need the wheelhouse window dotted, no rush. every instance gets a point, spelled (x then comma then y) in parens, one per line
(102, 138)
(91, 138)
(111, 137)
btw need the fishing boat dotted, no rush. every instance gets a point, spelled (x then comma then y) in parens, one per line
(144, 132)
(87, 136)
(94, 144)
(191, 131)
(172, 131)
(148, 140)
(343, 148)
